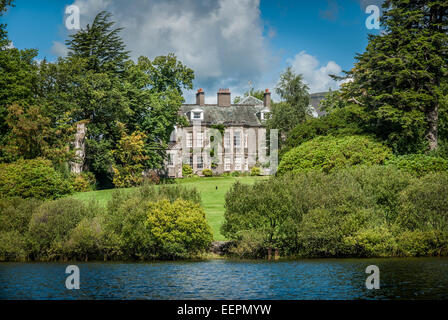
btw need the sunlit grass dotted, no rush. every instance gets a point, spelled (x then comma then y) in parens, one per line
(212, 190)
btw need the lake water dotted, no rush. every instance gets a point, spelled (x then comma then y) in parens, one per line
(424, 278)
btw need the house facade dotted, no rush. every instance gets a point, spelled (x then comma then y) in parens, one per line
(223, 137)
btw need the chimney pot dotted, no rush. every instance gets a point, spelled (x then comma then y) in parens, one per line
(200, 97)
(224, 98)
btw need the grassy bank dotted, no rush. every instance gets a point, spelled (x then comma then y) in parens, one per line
(212, 190)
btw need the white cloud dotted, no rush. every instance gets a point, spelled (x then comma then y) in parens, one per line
(316, 76)
(59, 49)
(222, 41)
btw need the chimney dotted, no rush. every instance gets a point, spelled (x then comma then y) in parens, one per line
(267, 99)
(200, 97)
(224, 98)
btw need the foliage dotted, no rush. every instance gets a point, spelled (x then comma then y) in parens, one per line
(129, 158)
(255, 171)
(31, 135)
(339, 122)
(187, 171)
(327, 153)
(32, 179)
(398, 80)
(84, 182)
(424, 204)
(361, 211)
(100, 44)
(207, 173)
(51, 224)
(419, 164)
(178, 229)
(294, 107)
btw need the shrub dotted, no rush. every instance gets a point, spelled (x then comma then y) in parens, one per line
(255, 171)
(179, 229)
(207, 173)
(13, 246)
(419, 164)
(84, 182)
(187, 171)
(339, 122)
(86, 240)
(15, 214)
(235, 174)
(32, 179)
(424, 204)
(329, 153)
(360, 211)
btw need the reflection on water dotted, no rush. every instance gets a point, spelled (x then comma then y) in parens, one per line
(424, 278)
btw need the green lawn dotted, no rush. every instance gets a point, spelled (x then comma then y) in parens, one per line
(212, 198)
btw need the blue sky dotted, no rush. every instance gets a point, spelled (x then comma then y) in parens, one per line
(226, 42)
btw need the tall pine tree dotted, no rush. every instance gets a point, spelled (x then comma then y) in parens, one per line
(397, 80)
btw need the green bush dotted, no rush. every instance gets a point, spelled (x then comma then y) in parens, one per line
(52, 222)
(86, 240)
(235, 174)
(178, 229)
(13, 246)
(339, 122)
(419, 164)
(16, 213)
(187, 171)
(361, 211)
(329, 153)
(32, 179)
(207, 173)
(255, 171)
(424, 204)
(84, 182)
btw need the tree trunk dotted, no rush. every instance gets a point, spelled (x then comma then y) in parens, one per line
(432, 116)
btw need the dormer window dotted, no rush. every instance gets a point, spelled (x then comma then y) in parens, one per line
(197, 114)
(264, 114)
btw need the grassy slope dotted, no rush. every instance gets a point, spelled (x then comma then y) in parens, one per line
(212, 198)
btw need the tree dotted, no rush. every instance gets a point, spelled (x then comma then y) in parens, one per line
(294, 107)
(398, 79)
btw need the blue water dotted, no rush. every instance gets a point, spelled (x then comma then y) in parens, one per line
(424, 278)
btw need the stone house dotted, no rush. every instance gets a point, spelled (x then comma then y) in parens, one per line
(223, 137)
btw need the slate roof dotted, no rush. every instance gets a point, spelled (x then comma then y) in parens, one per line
(235, 115)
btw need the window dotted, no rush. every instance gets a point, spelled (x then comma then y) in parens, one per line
(227, 140)
(199, 163)
(199, 140)
(197, 115)
(238, 162)
(237, 139)
(246, 165)
(245, 140)
(189, 139)
(170, 160)
(227, 163)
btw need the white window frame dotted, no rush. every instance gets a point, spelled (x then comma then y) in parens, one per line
(199, 162)
(227, 140)
(189, 139)
(227, 163)
(238, 163)
(235, 135)
(171, 162)
(199, 139)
